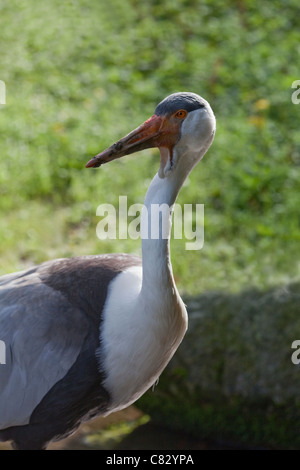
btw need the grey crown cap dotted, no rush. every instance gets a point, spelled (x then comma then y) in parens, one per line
(184, 100)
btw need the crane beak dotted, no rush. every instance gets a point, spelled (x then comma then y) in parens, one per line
(143, 137)
(157, 131)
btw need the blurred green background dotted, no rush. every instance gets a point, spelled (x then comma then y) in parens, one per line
(81, 74)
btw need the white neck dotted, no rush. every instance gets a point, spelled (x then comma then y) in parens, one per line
(156, 231)
(143, 326)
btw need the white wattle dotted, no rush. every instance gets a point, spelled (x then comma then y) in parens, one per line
(144, 318)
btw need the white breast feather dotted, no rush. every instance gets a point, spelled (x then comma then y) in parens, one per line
(138, 338)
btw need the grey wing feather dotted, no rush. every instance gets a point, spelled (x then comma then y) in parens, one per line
(43, 334)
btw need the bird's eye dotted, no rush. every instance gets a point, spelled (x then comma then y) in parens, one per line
(181, 114)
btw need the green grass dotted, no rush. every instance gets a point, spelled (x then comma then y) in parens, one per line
(112, 436)
(81, 74)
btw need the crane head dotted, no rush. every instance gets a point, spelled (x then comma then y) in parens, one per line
(183, 123)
